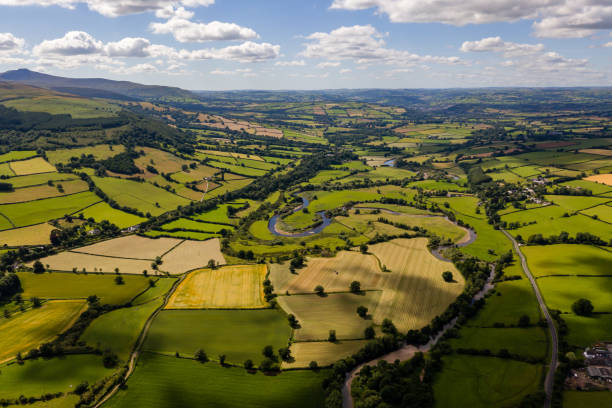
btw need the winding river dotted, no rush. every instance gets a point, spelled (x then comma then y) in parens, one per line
(274, 229)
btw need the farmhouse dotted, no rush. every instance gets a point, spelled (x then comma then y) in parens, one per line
(599, 372)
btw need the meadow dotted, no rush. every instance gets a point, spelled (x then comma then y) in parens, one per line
(31, 166)
(38, 179)
(44, 191)
(17, 155)
(531, 342)
(78, 108)
(67, 261)
(583, 399)
(99, 152)
(324, 353)
(567, 259)
(102, 211)
(560, 292)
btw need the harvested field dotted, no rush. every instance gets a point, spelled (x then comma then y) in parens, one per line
(44, 191)
(599, 152)
(66, 261)
(132, 247)
(35, 235)
(228, 287)
(323, 352)
(317, 315)
(25, 331)
(190, 255)
(336, 274)
(32, 166)
(414, 293)
(601, 178)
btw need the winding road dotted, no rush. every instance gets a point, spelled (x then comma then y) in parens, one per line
(550, 375)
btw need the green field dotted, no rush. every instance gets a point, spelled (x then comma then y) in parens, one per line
(99, 152)
(584, 331)
(103, 211)
(38, 179)
(582, 399)
(78, 286)
(42, 376)
(162, 286)
(236, 169)
(198, 236)
(144, 197)
(36, 212)
(219, 214)
(470, 381)
(78, 108)
(531, 342)
(17, 155)
(239, 334)
(187, 224)
(168, 382)
(565, 259)
(118, 330)
(561, 291)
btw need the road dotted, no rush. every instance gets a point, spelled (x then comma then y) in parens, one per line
(550, 376)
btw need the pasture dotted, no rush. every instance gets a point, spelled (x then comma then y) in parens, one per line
(239, 334)
(560, 292)
(38, 179)
(99, 152)
(414, 292)
(31, 166)
(568, 259)
(17, 155)
(163, 161)
(34, 235)
(323, 352)
(167, 382)
(531, 342)
(585, 399)
(5, 170)
(228, 287)
(195, 235)
(191, 225)
(601, 212)
(484, 382)
(78, 108)
(317, 315)
(219, 214)
(190, 255)
(25, 331)
(44, 191)
(584, 331)
(102, 211)
(80, 286)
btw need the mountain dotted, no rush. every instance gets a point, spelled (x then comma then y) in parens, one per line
(96, 87)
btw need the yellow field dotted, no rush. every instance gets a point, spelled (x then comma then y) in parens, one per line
(39, 234)
(228, 287)
(601, 178)
(45, 191)
(323, 352)
(414, 292)
(31, 166)
(66, 261)
(131, 246)
(336, 274)
(601, 152)
(27, 330)
(163, 161)
(190, 255)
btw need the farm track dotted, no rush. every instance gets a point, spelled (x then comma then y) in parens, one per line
(550, 375)
(139, 343)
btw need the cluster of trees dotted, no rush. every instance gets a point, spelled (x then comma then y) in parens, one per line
(585, 238)
(10, 285)
(122, 163)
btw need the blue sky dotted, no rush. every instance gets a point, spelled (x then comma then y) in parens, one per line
(289, 44)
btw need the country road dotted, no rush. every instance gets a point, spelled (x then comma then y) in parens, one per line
(550, 376)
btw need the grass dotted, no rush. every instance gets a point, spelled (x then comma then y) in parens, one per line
(237, 169)
(323, 352)
(163, 161)
(584, 399)
(187, 224)
(78, 108)
(36, 212)
(99, 152)
(168, 382)
(38, 179)
(79, 286)
(337, 311)
(566, 259)
(118, 330)
(198, 236)
(25, 331)
(462, 205)
(44, 191)
(31, 166)
(531, 342)
(596, 188)
(434, 185)
(103, 211)
(144, 197)
(5, 170)
(219, 214)
(43, 376)
(34, 235)
(602, 212)
(414, 292)
(239, 334)
(584, 331)
(470, 381)
(17, 155)
(235, 287)
(560, 292)
(328, 175)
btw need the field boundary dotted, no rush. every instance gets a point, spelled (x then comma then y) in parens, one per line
(172, 249)
(108, 256)
(11, 222)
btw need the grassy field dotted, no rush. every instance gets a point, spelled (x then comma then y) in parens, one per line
(99, 152)
(239, 334)
(31, 166)
(25, 331)
(39, 234)
(38, 179)
(219, 214)
(168, 382)
(17, 155)
(79, 286)
(328, 175)
(602, 212)
(228, 287)
(42, 376)
(131, 246)
(530, 342)
(583, 399)
(318, 315)
(561, 291)
(584, 331)
(44, 191)
(5, 170)
(164, 162)
(36, 212)
(323, 352)
(237, 169)
(414, 292)
(194, 235)
(566, 259)
(118, 330)
(103, 211)
(144, 197)
(469, 381)
(188, 224)
(78, 108)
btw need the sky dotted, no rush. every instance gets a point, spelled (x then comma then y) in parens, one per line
(313, 44)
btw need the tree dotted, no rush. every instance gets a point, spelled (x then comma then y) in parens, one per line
(388, 327)
(268, 365)
(447, 276)
(369, 333)
(39, 267)
(523, 321)
(319, 290)
(284, 353)
(332, 336)
(35, 302)
(583, 307)
(293, 321)
(355, 287)
(93, 299)
(363, 248)
(248, 364)
(211, 263)
(201, 356)
(110, 359)
(313, 365)
(119, 280)
(268, 351)
(362, 311)
(222, 358)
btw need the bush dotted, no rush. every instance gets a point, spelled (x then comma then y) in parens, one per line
(447, 276)
(355, 287)
(332, 336)
(320, 290)
(201, 356)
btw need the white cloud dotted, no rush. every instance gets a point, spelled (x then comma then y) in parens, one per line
(362, 44)
(294, 63)
(496, 44)
(608, 45)
(185, 30)
(555, 18)
(73, 43)
(10, 43)
(246, 72)
(328, 64)
(129, 47)
(112, 8)
(245, 52)
(345, 70)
